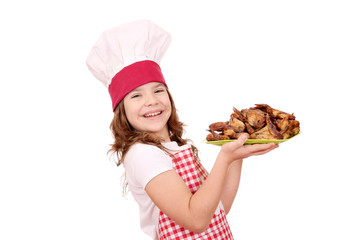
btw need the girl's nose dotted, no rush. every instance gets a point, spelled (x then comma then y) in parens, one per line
(150, 100)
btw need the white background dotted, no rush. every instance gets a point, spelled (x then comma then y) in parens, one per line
(56, 180)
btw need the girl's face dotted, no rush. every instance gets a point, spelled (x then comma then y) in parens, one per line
(148, 108)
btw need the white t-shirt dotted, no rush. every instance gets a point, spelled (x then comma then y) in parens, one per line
(142, 163)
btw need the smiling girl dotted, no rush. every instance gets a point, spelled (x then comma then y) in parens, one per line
(148, 109)
(177, 197)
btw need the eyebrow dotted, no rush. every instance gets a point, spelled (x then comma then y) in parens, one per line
(159, 84)
(140, 87)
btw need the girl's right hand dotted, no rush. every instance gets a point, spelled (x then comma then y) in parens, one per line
(236, 150)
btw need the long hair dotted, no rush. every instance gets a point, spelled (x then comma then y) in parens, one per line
(126, 136)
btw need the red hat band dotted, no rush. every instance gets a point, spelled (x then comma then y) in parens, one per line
(133, 76)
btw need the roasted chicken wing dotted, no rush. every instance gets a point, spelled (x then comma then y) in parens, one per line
(259, 122)
(255, 117)
(238, 125)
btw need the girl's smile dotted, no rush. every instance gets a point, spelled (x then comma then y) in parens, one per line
(152, 114)
(148, 108)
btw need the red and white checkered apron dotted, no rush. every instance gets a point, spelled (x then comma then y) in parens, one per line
(193, 174)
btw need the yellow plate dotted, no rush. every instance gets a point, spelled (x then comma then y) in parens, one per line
(251, 141)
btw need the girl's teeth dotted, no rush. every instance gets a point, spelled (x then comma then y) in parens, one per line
(152, 114)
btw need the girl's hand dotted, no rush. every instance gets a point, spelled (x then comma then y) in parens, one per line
(236, 150)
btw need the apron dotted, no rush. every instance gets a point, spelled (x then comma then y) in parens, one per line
(193, 174)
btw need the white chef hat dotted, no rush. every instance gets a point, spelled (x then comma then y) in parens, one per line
(128, 56)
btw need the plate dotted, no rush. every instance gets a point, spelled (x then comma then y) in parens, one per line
(251, 141)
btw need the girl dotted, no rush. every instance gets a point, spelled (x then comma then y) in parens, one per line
(177, 197)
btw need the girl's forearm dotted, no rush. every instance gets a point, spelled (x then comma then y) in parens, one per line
(221, 184)
(204, 202)
(231, 184)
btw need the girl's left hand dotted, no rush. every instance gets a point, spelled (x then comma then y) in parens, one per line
(236, 150)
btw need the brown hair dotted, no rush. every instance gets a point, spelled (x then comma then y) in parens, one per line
(125, 135)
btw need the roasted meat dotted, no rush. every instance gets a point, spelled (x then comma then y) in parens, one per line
(213, 136)
(259, 122)
(255, 117)
(273, 112)
(238, 125)
(218, 126)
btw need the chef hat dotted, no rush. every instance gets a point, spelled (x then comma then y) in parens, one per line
(128, 56)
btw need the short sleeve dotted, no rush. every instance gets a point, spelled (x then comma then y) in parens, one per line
(144, 162)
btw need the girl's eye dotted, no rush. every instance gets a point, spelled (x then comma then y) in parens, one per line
(159, 91)
(135, 96)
